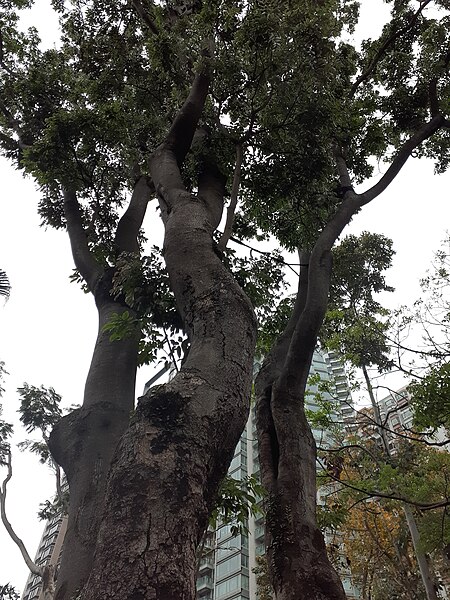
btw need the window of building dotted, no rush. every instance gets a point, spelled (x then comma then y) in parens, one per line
(235, 463)
(228, 586)
(231, 565)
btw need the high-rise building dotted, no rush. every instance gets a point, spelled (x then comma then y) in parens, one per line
(397, 417)
(48, 552)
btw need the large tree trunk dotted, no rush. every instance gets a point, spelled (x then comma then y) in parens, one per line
(298, 564)
(182, 437)
(84, 442)
(164, 480)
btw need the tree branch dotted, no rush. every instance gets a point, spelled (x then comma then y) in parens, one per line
(131, 221)
(384, 46)
(144, 16)
(181, 133)
(376, 494)
(165, 161)
(12, 534)
(228, 229)
(84, 261)
(403, 154)
(13, 124)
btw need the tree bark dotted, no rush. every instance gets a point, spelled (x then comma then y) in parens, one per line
(182, 437)
(84, 441)
(298, 564)
(164, 481)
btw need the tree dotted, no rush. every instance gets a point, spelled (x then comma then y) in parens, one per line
(39, 410)
(170, 100)
(362, 347)
(429, 366)
(7, 592)
(365, 502)
(5, 286)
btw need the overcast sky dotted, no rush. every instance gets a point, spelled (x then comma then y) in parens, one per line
(48, 327)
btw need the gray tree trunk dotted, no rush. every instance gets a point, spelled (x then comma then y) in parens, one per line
(84, 442)
(165, 477)
(299, 567)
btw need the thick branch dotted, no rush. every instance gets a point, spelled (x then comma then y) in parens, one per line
(182, 132)
(228, 229)
(131, 221)
(426, 131)
(144, 16)
(84, 261)
(12, 534)
(384, 46)
(166, 160)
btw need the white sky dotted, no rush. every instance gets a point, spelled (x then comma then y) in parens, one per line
(48, 327)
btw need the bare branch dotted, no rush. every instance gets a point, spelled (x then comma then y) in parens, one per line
(12, 534)
(233, 200)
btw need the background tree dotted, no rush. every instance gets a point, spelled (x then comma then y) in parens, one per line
(363, 347)
(39, 410)
(5, 287)
(7, 592)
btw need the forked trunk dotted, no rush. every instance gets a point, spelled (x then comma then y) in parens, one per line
(84, 442)
(298, 564)
(181, 439)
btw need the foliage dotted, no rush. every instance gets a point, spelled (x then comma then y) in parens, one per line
(283, 74)
(238, 499)
(8, 592)
(264, 589)
(430, 315)
(356, 324)
(3, 372)
(358, 512)
(55, 507)
(39, 408)
(5, 433)
(430, 399)
(378, 553)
